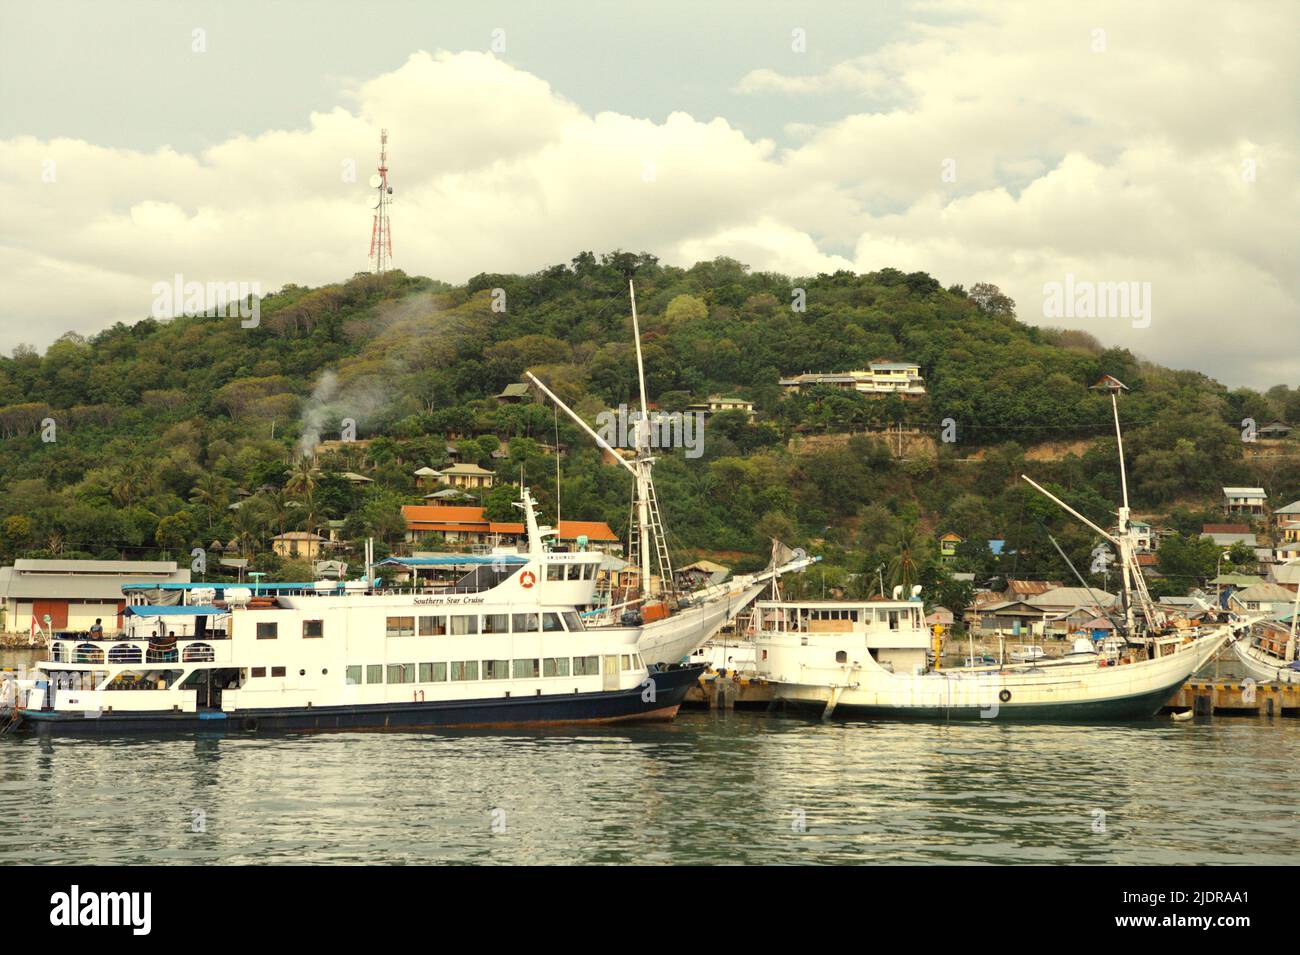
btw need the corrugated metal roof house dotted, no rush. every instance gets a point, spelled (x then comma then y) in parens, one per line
(74, 593)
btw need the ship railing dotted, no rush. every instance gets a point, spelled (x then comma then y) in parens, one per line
(189, 649)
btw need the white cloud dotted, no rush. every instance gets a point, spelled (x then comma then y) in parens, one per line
(1116, 165)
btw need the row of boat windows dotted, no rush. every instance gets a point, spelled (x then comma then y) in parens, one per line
(798, 619)
(586, 571)
(437, 625)
(130, 653)
(466, 670)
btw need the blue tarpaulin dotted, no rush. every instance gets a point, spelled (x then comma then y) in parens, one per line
(222, 586)
(453, 560)
(178, 611)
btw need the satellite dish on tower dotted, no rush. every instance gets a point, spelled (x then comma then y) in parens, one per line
(375, 181)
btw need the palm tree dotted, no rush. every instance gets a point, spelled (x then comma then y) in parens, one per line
(278, 501)
(309, 512)
(909, 555)
(302, 476)
(247, 529)
(209, 493)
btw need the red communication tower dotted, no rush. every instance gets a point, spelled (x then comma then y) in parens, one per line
(381, 237)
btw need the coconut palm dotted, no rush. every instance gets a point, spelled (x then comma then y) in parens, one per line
(211, 494)
(247, 526)
(302, 476)
(278, 502)
(909, 556)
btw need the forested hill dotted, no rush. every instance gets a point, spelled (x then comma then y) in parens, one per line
(160, 426)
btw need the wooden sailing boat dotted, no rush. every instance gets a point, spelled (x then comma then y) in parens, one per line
(672, 625)
(1271, 660)
(1146, 629)
(869, 658)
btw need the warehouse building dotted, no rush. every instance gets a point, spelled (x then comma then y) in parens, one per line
(73, 593)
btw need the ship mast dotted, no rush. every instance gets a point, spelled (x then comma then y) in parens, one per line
(1135, 588)
(646, 533)
(641, 532)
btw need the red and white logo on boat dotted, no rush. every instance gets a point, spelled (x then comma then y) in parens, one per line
(527, 579)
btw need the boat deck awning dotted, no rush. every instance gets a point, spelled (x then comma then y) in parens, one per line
(180, 610)
(453, 560)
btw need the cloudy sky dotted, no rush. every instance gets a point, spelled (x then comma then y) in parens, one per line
(1002, 142)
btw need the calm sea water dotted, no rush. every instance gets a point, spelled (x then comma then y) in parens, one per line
(708, 788)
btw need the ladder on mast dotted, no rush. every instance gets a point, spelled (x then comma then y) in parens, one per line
(659, 547)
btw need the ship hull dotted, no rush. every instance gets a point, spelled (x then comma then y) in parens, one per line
(619, 706)
(1259, 667)
(1118, 709)
(674, 638)
(1050, 693)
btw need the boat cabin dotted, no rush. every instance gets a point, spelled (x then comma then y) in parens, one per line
(834, 632)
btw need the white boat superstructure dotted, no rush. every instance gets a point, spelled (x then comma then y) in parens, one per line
(870, 659)
(504, 645)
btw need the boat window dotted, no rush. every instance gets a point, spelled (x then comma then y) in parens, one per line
(554, 571)
(352, 677)
(461, 625)
(551, 623)
(257, 672)
(124, 653)
(495, 623)
(267, 630)
(586, 666)
(194, 653)
(433, 626)
(893, 620)
(88, 653)
(401, 673)
(573, 622)
(626, 662)
(277, 671)
(526, 669)
(312, 629)
(555, 666)
(144, 680)
(841, 656)
(524, 623)
(375, 673)
(464, 670)
(433, 673)
(400, 627)
(573, 571)
(496, 669)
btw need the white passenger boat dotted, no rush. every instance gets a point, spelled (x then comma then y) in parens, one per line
(868, 659)
(504, 646)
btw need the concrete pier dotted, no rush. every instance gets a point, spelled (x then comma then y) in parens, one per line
(728, 692)
(1243, 698)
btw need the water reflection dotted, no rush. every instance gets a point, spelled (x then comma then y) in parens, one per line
(705, 789)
